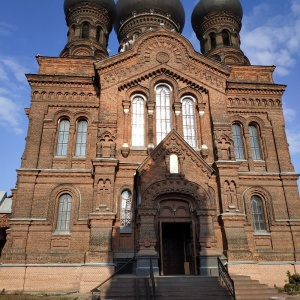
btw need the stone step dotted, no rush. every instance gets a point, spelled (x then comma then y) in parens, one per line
(170, 287)
(248, 289)
(185, 287)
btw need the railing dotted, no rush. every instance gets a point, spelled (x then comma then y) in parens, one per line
(96, 289)
(226, 279)
(152, 280)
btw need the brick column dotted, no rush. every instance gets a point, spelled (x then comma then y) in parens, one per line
(100, 246)
(147, 241)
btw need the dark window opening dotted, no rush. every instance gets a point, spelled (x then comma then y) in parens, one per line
(85, 31)
(2, 239)
(213, 42)
(98, 34)
(217, 57)
(226, 38)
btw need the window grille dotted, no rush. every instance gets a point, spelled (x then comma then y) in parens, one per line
(254, 142)
(81, 138)
(125, 218)
(63, 138)
(64, 213)
(188, 117)
(257, 214)
(163, 112)
(138, 121)
(238, 141)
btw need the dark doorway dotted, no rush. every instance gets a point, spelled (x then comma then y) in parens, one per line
(175, 248)
(2, 238)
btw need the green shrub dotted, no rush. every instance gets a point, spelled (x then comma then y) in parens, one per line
(295, 279)
(293, 287)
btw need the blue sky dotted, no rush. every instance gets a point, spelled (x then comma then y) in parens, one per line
(270, 36)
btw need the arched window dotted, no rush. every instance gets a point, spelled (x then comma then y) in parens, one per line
(188, 118)
(85, 30)
(125, 218)
(254, 142)
(63, 137)
(138, 121)
(64, 213)
(238, 141)
(213, 42)
(98, 34)
(258, 214)
(225, 37)
(81, 138)
(163, 112)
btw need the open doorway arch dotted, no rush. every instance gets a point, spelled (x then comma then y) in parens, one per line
(164, 204)
(177, 237)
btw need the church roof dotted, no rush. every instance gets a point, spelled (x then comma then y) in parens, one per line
(204, 7)
(126, 8)
(5, 203)
(109, 5)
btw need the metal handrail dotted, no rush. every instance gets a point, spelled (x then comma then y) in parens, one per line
(225, 277)
(113, 275)
(152, 280)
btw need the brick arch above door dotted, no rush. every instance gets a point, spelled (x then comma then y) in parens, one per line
(199, 197)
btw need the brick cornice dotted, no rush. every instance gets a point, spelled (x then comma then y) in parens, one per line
(167, 71)
(59, 80)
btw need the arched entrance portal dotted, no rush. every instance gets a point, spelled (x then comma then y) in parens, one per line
(176, 229)
(177, 238)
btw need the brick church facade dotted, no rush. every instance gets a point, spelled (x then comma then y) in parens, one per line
(158, 151)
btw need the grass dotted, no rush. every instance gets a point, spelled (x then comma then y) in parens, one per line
(31, 297)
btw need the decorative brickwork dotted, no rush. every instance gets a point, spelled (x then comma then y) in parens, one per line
(243, 206)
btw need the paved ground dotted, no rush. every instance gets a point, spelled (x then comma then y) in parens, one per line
(69, 296)
(296, 297)
(87, 296)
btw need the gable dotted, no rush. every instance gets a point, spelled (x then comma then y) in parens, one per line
(161, 52)
(190, 165)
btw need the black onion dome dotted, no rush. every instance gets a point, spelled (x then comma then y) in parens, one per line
(125, 8)
(204, 7)
(109, 5)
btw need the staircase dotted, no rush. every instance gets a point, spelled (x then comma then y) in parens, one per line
(248, 289)
(130, 287)
(168, 287)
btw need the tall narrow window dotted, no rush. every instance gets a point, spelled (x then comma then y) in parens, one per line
(81, 138)
(63, 137)
(64, 213)
(138, 121)
(254, 142)
(238, 141)
(163, 112)
(85, 31)
(258, 214)
(125, 218)
(225, 37)
(213, 42)
(174, 164)
(98, 34)
(188, 118)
